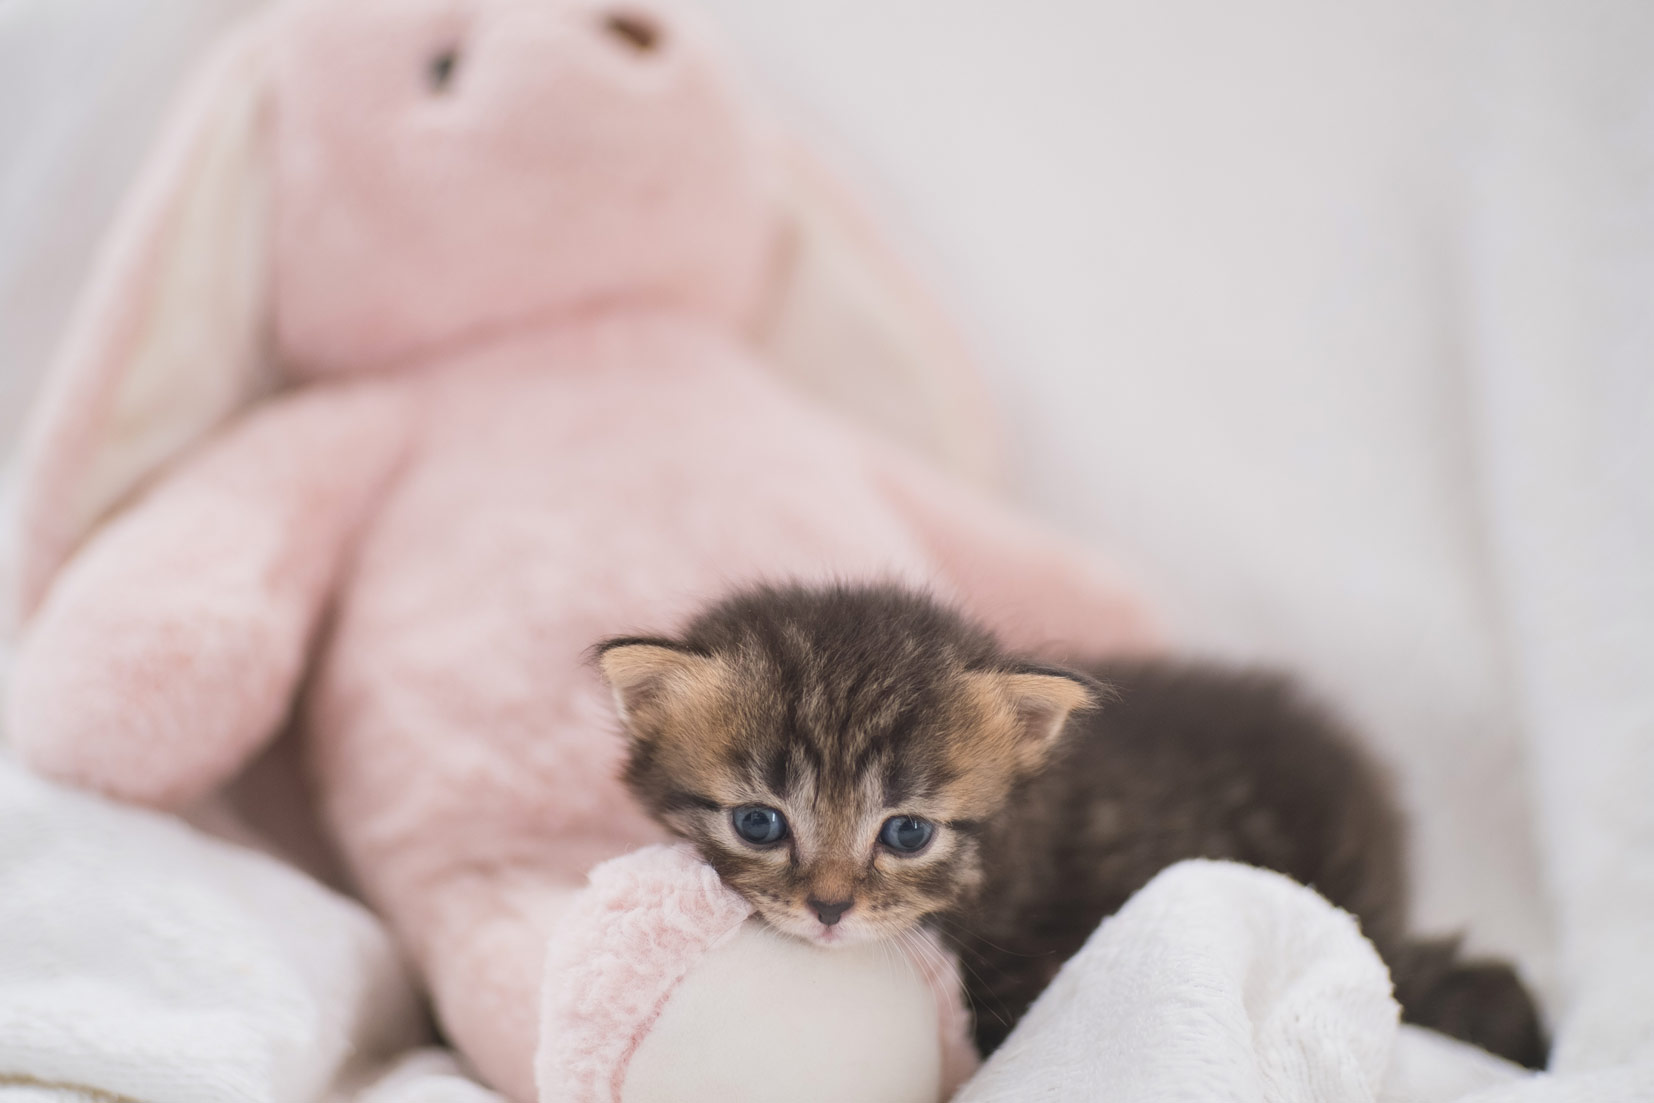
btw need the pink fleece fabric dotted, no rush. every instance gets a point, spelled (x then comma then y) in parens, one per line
(621, 951)
(521, 414)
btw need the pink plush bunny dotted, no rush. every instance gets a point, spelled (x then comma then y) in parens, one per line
(444, 338)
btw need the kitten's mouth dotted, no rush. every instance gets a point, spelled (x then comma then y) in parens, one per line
(837, 936)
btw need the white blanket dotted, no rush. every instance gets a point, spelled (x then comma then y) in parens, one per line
(148, 962)
(1219, 983)
(141, 960)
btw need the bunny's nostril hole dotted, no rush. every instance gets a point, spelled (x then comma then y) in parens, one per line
(439, 70)
(634, 30)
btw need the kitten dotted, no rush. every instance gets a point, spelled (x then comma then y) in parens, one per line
(859, 760)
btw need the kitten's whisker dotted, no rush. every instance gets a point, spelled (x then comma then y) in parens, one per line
(925, 952)
(896, 949)
(999, 1012)
(967, 952)
(907, 951)
(884, 955)
(918, 954)
(959, 937)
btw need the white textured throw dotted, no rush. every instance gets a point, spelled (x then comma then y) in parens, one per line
(1220, 983)
(145, 961)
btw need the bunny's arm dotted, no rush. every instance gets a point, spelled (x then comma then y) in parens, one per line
(169, 649)
(1039, 591)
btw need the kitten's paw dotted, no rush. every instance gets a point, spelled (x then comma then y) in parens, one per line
(1481, 1002)
(1487, 1004)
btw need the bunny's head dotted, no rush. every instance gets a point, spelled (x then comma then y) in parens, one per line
(448, 167)
(352, 187)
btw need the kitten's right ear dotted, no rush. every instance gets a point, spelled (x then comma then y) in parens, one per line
(650, 676)
(1031, 704)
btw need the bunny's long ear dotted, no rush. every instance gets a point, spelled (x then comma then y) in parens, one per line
(170, 335)
(849, 324)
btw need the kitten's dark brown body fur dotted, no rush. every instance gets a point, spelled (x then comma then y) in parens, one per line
(842, 705)
(1195, 761)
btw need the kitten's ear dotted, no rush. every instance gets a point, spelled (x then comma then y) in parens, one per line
(649, 677)
(1031, 705)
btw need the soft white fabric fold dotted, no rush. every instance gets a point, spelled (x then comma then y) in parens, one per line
(1221, 983)
(144, 960)
(1215, 982)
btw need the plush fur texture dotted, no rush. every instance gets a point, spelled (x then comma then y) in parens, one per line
(646, 920)
(623, 963)
(508, 316)
(1051, 795)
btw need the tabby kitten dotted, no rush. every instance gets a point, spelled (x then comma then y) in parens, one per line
(859, 760)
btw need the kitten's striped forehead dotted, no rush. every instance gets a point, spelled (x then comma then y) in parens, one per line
(843, 734)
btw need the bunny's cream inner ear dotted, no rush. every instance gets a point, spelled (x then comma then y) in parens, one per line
(171, 336)
(849, 325)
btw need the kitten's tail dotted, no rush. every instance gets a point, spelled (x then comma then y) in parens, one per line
(1481, 1001)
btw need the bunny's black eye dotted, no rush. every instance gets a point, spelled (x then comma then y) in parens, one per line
(634, 30)
(439, 71)
(759, 825)
(906, 834)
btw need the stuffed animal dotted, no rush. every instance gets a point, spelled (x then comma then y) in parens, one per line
(442, 339)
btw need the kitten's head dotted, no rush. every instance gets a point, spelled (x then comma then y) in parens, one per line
(833, 752)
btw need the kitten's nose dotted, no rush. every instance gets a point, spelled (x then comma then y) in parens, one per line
(829, 911)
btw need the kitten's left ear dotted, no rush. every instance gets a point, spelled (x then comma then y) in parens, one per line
(1030, 705)
(649, 676)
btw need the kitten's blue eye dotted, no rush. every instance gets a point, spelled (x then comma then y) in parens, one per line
(906, 834)
(758, 825)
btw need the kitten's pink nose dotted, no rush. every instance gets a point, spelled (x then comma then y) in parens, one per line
(829, 912)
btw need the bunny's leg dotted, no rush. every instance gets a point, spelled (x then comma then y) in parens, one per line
(168, 650)
(482, 943)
